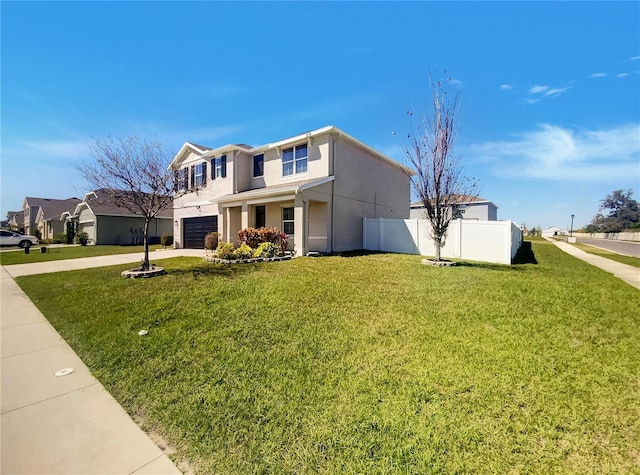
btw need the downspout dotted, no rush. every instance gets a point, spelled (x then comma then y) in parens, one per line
(332, 162)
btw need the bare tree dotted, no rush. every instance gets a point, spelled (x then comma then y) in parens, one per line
(135, 175)
(438, 181)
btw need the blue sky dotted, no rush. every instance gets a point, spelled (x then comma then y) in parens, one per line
(550, 118)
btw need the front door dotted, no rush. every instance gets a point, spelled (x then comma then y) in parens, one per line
(261, 216)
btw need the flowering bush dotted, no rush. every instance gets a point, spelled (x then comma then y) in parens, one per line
(243, 252)
(267, 250)
(225, 250)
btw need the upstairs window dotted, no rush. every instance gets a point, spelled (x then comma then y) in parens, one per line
(219, 167)
(200, 175)
(258, 165)
(294, 160)
(182, 179)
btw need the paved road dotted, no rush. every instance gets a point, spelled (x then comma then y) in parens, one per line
(623, 247)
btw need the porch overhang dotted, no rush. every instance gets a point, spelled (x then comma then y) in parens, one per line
(270, 193)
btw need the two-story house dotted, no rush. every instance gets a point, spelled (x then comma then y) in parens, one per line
(317, 187)
(37, 211)
(469, 207)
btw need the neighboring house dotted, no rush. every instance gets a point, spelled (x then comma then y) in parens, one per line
(31, 206)
(476, 208)
(316, 187)
(16, 221)
(554, 231)
(106, 223)
(49, 218)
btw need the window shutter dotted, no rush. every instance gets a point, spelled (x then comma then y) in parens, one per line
(223, 160)
(204, 174)
(213, 168)
(193, 176)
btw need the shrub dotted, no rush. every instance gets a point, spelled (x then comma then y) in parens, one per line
(60, 238)
(166, 240)
(82, 238)
(225, 250)
(243, 252)
(253, 237)
(283, 242)
(267, 250)
(211, 241)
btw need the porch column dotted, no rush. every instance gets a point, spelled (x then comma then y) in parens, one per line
(300, 238)
(224, 232)
(245, 215)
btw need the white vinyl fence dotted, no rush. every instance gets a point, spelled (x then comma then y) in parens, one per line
(485, 241)
(616, 236)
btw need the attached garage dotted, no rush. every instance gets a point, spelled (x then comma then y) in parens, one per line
(195, 229)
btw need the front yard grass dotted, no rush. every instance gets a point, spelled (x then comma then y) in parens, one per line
(614, 256)
(367, 364)
(71, 252)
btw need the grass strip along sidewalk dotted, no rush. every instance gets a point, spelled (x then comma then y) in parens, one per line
(614, 256)
(71, 252)
(366, 364)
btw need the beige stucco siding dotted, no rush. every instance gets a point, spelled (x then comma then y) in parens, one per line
(214, 187)
(365, 186)
(244, 170)
(317, 163)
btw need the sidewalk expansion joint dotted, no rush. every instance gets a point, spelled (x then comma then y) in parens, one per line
(52, 398)
(35, 350)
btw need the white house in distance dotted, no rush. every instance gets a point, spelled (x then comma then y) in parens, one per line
(317, 187)
(476, 208)
(554, 231)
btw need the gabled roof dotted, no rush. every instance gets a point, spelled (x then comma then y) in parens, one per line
(281, 143)
(15, 215)
(460, 199)
(51, 207)
(186, 149)
(101, 203)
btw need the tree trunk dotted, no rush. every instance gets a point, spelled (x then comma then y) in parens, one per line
(438, 243)
(145, 262)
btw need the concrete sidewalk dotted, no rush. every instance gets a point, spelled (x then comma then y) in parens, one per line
(630, 274)
(62, 424)
(17, 270)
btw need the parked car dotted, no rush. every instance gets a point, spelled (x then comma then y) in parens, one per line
(10, 238)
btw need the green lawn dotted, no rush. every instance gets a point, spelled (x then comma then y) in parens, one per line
(367, 364)
(632, 261)
(72, 252)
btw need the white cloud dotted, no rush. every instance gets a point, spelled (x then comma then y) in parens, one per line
(555, 153)
(506, 87)
(598, 75)
(538, 89)
(556, 91)
(623, 75)
(633, 59)
(455, 82)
